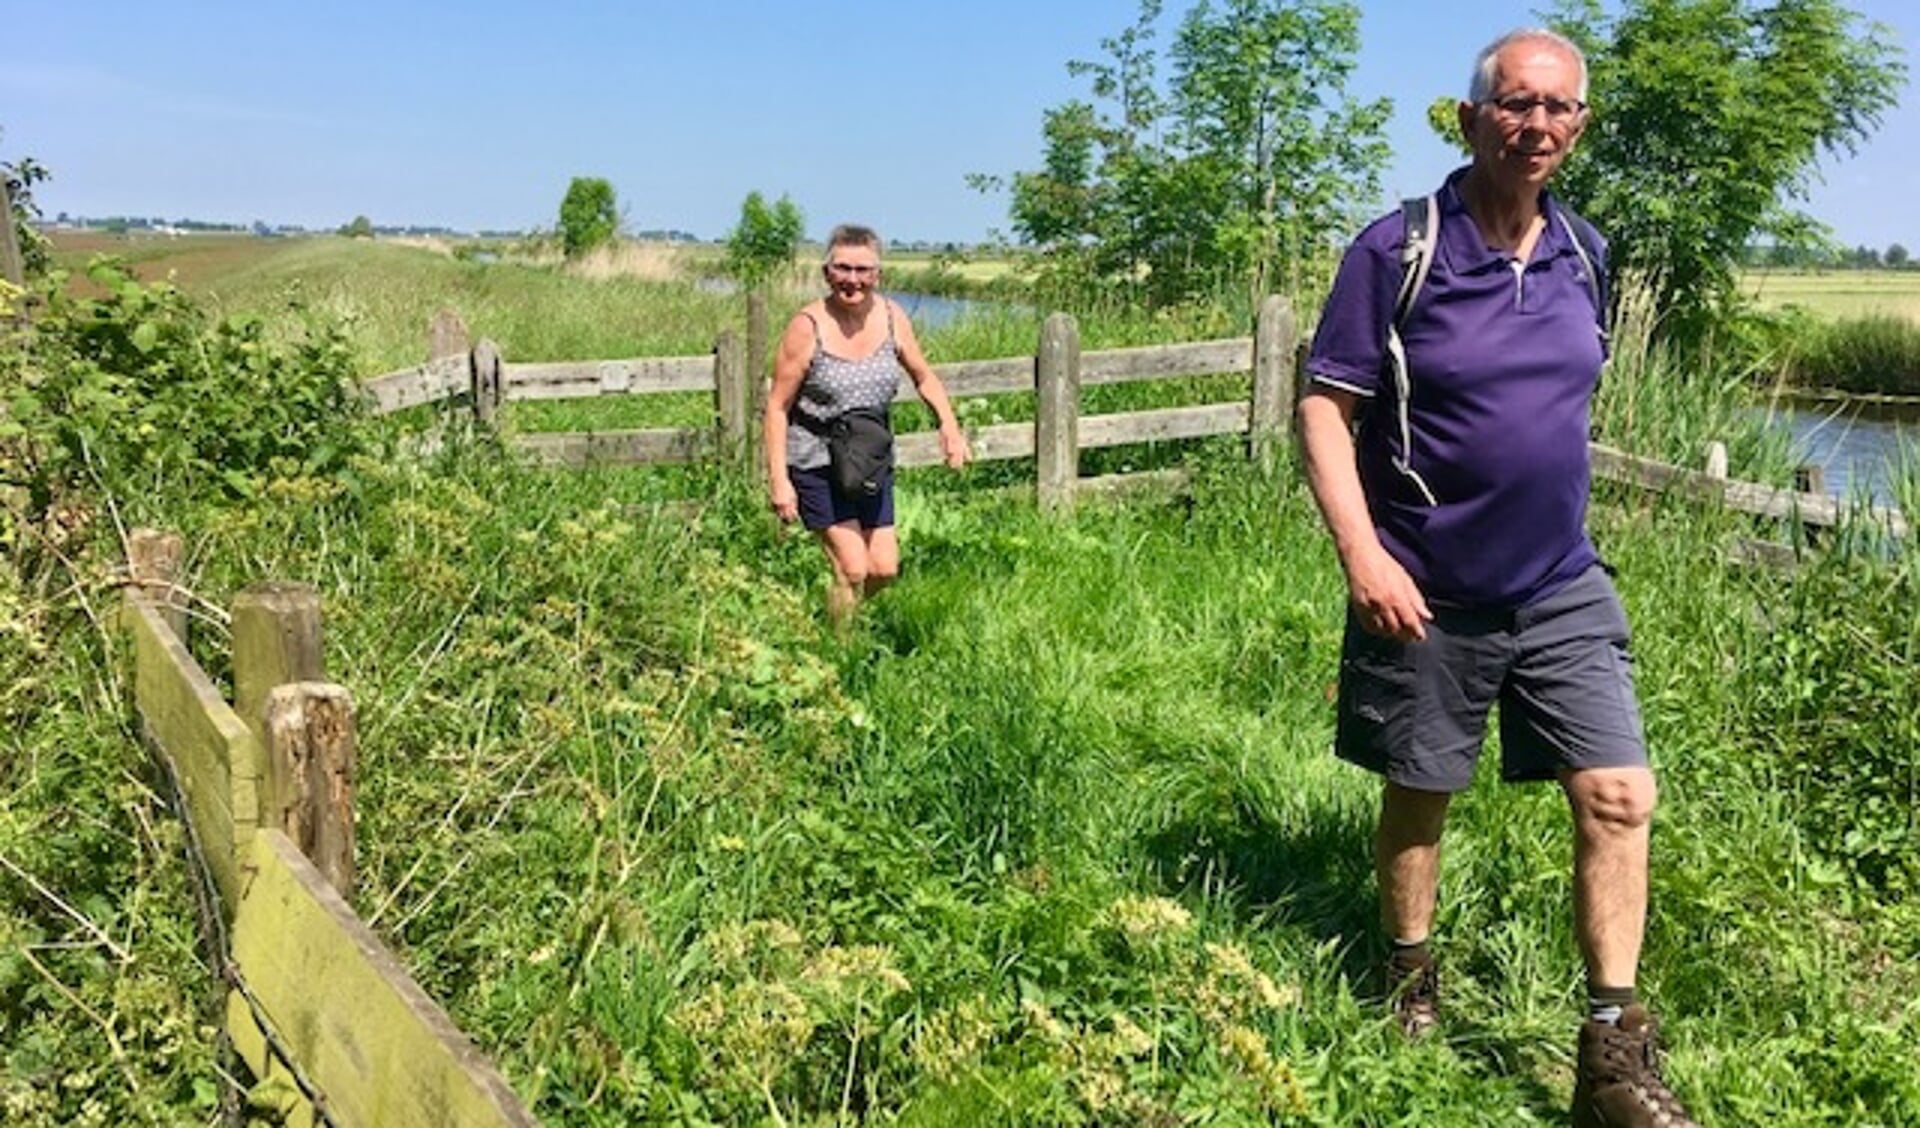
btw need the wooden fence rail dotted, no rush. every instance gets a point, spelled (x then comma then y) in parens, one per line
(318, 1008)
(1055, 374)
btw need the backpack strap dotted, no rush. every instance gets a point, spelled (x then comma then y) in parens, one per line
(1421, 216)
(1586, 244)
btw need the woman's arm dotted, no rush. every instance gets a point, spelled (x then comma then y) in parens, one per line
(953, 441)
(789, 368)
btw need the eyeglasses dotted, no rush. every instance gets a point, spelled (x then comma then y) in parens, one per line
(851, 270)
(1520, 107)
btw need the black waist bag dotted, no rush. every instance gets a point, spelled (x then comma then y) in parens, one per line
(860, 445)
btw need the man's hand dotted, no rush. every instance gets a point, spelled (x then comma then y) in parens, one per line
(1385, 598)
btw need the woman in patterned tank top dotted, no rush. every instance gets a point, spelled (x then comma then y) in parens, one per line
(843, 352)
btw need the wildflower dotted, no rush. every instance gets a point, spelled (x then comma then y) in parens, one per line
(1143, 919)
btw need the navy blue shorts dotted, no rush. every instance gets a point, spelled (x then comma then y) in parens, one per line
(1560, 669)
(822, 505)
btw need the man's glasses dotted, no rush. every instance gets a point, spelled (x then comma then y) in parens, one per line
(1520, 107)
(851, 270)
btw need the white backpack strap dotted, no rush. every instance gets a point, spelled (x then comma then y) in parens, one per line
(1421, 215)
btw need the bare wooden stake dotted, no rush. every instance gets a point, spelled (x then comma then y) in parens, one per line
(310, 753)
(486, 380)
(276, 641)
(446, 335)
(1057, 426)
(1273, 341)
(757, 365)
(1717, 460)
(1810, 479)
(12, 266)
(153, 570)
(730, 392)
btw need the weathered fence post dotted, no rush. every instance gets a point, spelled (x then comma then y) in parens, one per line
(309, 740)
(757, 360)
(1272, 380)
(153, 567)
(486, 393)
(730, 393)
(1810, 479)
(12, 267)
(276, 640)
(1717, 460)
(1056, 440)
(305, 725)
(446, 335)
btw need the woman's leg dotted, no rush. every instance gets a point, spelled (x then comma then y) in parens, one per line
(883, 558)
(846, 545)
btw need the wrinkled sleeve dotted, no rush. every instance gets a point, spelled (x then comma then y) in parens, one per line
(1350, 343)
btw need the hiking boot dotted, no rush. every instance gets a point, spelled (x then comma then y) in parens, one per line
(1618, 1083)
(1413, 993)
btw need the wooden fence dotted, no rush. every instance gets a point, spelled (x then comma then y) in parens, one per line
(326, 1017)
(1055, 374)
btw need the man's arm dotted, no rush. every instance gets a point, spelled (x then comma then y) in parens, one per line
(1383, 595)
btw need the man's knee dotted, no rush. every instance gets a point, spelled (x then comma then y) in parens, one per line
(1613, 800)
(882, 571)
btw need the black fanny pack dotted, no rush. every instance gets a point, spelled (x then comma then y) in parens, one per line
(860, 445)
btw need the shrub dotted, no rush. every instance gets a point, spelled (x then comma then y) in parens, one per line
(589, 215)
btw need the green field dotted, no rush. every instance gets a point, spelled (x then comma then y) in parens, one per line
(1053, 837)
(1836, 294)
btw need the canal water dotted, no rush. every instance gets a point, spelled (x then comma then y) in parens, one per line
(1858, 445)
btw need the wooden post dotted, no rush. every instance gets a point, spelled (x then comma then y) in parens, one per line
(12, 266)
(1717, 460)
(276, 641)
(486, 381)
(1272, 380)
(310, 752)
(730, 393)
(1056, 440)
(446, 335)
(758, 359)
(153, 570)
(1810, 479)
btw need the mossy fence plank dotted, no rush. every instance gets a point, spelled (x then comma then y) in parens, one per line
(365, 1034)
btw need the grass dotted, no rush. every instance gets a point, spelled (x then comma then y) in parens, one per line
(1837, 293)
(1053, 837)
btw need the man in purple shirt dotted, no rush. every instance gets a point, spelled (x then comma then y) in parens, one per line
(1459, 515)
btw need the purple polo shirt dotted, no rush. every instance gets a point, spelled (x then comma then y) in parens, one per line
(1503, 363)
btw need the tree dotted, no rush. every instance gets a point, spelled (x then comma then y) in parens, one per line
(360, 228)
(1896, 256)
(1709, 120)
(765, 239)
(1229, 176)
(588, 215)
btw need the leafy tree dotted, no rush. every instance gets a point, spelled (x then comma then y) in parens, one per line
(1229, 174)
(1896, 256)
(765, 239)
(360, 228)
(1709, 120)
(589, 215)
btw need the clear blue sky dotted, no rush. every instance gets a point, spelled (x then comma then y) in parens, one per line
(476, 115)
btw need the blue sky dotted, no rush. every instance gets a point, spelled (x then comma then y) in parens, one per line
(476, 115)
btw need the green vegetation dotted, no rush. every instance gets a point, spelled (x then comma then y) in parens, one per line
(765, 240)
(589, 215)
(1709, 118)
(359, 228)
(1222, 182)
(1053, 838)
(20, 176)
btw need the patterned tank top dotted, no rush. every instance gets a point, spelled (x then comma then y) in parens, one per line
(834, 385)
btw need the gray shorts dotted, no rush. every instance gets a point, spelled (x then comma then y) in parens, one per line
(1560, 668)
